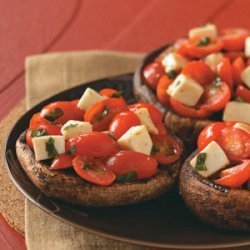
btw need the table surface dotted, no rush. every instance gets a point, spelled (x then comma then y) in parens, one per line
(36, 27)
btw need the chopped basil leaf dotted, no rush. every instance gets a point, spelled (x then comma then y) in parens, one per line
(86, 166)
(38, 132)
(239, 99)
(171, 74)
(126, 177)
(204, 41)
(50, 148)
(117, 94)
(54, 114)
(154, 149)
(104, 113)
(72, 150)
(200, 162)
(70, 126)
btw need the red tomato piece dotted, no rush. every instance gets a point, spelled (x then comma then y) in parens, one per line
(93, 144)
(224, 71)
(189, 111)
(93, 170)
(102, 113)
(243, 93)
(61, 112)
(232, 55)
(36, 120)
(234, 38)
(62, 162)
(111, 93)
(122, 123)
(238, 66)
(125, 162)
(236, 176)
(199, 71)
(216, 96)
(152, 74)
(166, 149)
(161, 91)
(199, 47)
(210, 133)
(235, 143)
(41, 130)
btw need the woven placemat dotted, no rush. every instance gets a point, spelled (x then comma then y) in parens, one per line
(11, 200)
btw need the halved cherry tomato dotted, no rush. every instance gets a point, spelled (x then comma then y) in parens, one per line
(125, 162)
(61, 112)
(232, 55)
(161, 91)
(199, 46)
(189, 111)
(199, 71)
(62, 162)
(93, 170)
(41, 130)
(155, 115)
(243, 92)
(93, 144)
(102, 113)
(224, 71)
(238, 66)
(235, 177)
(152, 74)
(111, 93)
(166, 149)
(36, 120)
(216, 96)
(123, 122)
(234, 38)
(235, 143)
(210, 133)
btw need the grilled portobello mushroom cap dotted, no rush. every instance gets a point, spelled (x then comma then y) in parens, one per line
(213, 204)
(66, 185)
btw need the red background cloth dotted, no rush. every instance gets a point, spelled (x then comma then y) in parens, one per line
(33, 27)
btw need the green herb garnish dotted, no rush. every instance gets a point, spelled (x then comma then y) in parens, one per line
(50, 148)
(54, 114)
(72, 150)
(38, 132)
(155, 149)
(126, 177)
(216, 83)
(104, 113)
(70, 126)
(117, 94)
(200, 162)
(239, 99)
(171, 74)
(86, 166)
(204, 41)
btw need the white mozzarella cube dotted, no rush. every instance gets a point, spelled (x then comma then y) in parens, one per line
(245, 76)
(174, 61)
(212, 60)
(243, 126)
(208, 29)
(146, 120)
(137, 139)
(89, 98)
(215, 160)
(237, 111)
(74, 128)
(47, 147)
(247, 47)
(185, 90)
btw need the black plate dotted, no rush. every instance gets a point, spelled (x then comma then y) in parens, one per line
(164, 222)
